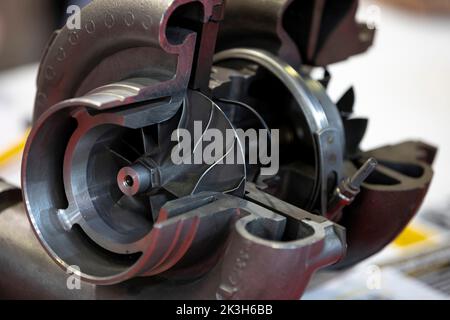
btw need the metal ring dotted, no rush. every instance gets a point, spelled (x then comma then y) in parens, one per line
(321, 114)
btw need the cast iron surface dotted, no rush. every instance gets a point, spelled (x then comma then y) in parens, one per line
(119, 208)
(102, 194)
(389, 199)
(259, 238)
(312, 32)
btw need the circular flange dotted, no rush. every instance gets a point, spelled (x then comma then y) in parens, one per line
(322, 117)
(78, 209)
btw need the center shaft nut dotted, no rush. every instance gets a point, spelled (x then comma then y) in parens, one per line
(134, 179)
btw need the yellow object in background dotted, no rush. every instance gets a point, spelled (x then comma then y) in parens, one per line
(412, 235)
(14, 151)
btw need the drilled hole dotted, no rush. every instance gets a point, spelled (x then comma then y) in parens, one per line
(128, 182)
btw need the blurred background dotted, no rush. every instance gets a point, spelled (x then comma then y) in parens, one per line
(402, 85)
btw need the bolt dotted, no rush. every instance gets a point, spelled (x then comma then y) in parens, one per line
(363, 173)
(348, 189)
